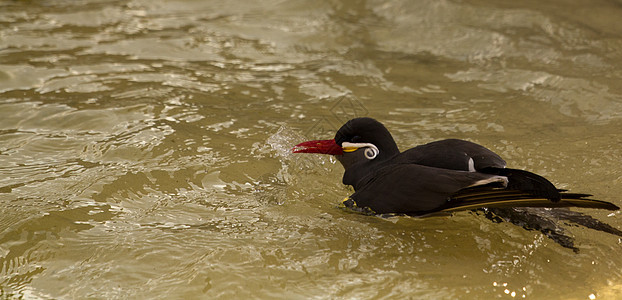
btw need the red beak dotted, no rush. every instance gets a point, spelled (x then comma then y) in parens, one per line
(323, 147)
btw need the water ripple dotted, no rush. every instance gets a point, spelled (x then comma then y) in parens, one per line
(145, 146)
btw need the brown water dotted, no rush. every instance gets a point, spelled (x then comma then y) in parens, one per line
(144, 145)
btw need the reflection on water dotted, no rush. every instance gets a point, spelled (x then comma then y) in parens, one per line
(144, 145)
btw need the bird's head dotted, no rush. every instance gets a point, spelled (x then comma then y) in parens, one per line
(360, 142)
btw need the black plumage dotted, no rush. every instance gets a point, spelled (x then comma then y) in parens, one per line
(439, 177)
(446, 175)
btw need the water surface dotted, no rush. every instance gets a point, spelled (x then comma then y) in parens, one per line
(144, 145)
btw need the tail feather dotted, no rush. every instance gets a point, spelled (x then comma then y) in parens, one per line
(574, 195)
(477, 197)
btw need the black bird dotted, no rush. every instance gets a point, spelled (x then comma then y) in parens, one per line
(442, 176)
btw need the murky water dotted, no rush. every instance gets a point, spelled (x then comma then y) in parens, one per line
(144, 145)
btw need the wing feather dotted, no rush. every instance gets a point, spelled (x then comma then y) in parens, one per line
(472, 198)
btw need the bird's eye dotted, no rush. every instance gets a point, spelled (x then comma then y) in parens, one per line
(371, 153)
(355, 139)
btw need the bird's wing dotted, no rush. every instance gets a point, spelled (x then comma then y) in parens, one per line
(467, 156)
(420, 190)
(416, 189)
(452, 154)
(527, 182)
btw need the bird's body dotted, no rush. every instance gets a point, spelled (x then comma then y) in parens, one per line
(446, 175)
